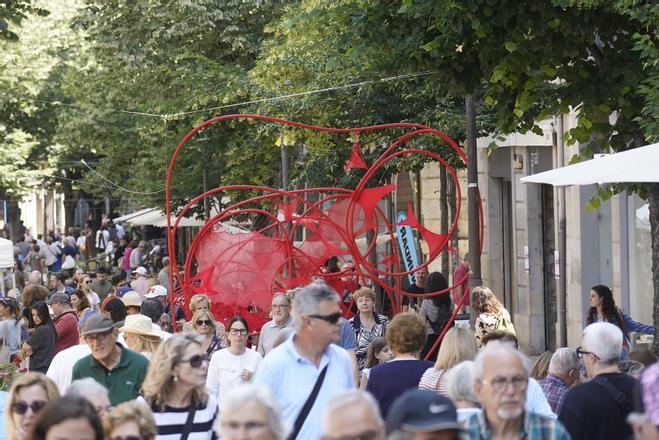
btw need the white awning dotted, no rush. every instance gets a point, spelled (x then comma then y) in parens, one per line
(6, 253)
(638, 165)
(127, 217)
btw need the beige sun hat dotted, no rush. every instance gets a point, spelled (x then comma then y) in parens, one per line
(140, 325)
(132, 299)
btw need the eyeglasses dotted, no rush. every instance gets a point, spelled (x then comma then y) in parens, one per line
(102, 409)
(366, 435)
(251, 425)
(280, 306)
(127, 437)
(581, 352)
(238, 331)
(499, 384)
(97, 336)
(196, 361)
(204, 322)
(332, 319)
(87, 282)
(20, 407)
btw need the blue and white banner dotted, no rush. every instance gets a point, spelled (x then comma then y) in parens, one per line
(407, 245)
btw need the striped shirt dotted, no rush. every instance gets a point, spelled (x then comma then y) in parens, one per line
(171, 421)
(434, 379)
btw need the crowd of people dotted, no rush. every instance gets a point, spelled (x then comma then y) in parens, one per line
(98, 357)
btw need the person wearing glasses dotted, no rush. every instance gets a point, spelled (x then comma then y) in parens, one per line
(251, 412)
(234, 365)
(117, 368)
(500, 381)
(130, 421)
(198, 303)
(367, 325)
(203, 323)
(307, 360)
(27, 396)
(175, 389)
(598, 409)
(93, 392)
(92, 297)
(281, 320)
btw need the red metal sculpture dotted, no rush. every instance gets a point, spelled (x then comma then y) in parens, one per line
(241, 268)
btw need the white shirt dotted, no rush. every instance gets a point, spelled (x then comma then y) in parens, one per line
(61, 367)
(536, 401)
(163, 334)
(292, 377)
(225, 368)
(94, 300)
(270, 332)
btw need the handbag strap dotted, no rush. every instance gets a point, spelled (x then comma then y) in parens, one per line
(617, 395)
(188, 422)
(5, 335)
(299, 421)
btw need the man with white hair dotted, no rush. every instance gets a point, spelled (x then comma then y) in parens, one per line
(598, 409)
(500, 382)
(353, 414)
(563, 373)
(308, 370)
(281, 320)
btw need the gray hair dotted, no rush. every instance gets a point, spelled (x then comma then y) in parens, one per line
(85, 387)
(495, 350)
(282, 295)
(347, 398)
(35, 277)
(604, 340)
(238, 397)
(306, 302)
(562, 361)
(165, 261)
(460, 382)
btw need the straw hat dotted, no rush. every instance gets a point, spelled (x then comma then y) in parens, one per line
(140, 325)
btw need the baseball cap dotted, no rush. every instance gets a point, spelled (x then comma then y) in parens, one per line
(97, 324)
(132, 298)
(422, 411)
(60, 298)
(140, 271)
(156, 291)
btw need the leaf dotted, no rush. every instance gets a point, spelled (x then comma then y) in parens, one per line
(510, 46)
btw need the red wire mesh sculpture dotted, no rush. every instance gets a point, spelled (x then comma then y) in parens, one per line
(241, 269)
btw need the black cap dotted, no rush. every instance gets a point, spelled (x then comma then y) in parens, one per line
(422, 411)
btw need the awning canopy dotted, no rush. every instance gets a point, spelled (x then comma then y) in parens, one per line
(127, 217)
(638, 165)
(6, 253)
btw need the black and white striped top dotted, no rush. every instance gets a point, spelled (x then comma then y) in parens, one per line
(170, 421)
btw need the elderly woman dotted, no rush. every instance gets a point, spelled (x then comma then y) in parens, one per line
(201, 302)
(176, 384)
(490, 314)
(459, 345)
(70, 417)
(367, 325)
(140, 335)
(255, 406)
(94, 392)
(128, 420)
(460, 389)
(203, 323)
(41, 345)
(406, 335)
(28, 395)
(234, 365)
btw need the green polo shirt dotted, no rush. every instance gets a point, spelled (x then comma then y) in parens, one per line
(123, 382)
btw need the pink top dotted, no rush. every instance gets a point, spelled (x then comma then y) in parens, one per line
(125, 263)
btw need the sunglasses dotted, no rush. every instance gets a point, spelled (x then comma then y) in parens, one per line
(21, 407)
(332, 319)
(238, 331)
(127, 437)
(197, 360)
(204, 322)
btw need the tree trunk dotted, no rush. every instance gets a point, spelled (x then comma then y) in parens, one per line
(653, 202)
(443, 214)
(14, 218)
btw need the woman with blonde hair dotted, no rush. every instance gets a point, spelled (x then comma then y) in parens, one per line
(140, 335)
(490, 314)
(367, 325)
(459, 345)
(28, 395)
(130, 419)
(201, 302)
(204, 325)
(175, 388)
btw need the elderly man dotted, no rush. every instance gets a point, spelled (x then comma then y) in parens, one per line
(423, 415)
(308, 370)
(500, 381)
(66, 322)
(117, 368)
(563, 373)
(353, 414)
(281, 320)
(598, 409)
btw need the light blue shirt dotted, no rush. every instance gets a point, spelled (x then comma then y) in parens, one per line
(3, 403)
(292, 378)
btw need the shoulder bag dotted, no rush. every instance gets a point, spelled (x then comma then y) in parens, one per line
(299, 421)
(618, 396)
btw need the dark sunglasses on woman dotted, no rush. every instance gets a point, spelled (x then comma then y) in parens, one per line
(197, 360)
(20, 407)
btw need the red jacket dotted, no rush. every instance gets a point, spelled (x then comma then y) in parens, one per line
(66, 326)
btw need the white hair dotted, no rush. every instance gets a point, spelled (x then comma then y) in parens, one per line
(85, 387)
(35, 277)
(460, 382)
(306, 301)
(238, 397)
(495, 350)
(282, 295)
(562, 361)
(340, 402)
(604, 340)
